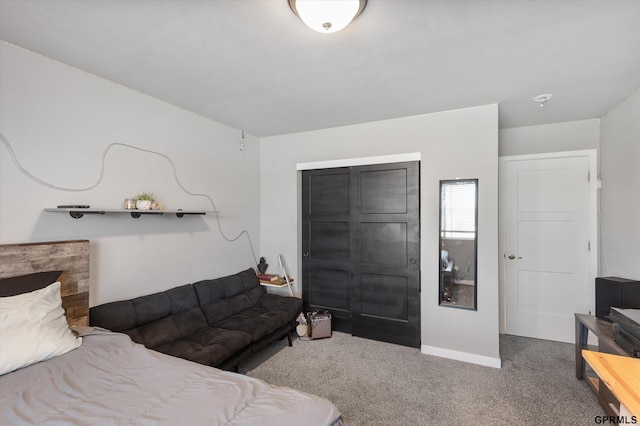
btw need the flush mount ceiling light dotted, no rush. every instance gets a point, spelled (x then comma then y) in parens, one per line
(327, 16)
(541, 99)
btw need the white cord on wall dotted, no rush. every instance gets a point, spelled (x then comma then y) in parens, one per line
(36, 179)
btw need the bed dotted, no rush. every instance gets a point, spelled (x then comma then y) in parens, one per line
(105, 378)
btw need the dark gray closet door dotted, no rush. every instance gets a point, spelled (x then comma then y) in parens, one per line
(365, 223)
(385, 253)
(325, 244)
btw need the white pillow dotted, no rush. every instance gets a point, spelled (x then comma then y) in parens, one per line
(33, 328)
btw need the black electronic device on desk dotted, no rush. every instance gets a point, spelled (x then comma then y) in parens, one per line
(626, 329)
(616, 292)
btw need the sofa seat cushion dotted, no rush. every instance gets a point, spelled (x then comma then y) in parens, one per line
(257, 322)
(168, 329)
(292, 306)
(209, 346)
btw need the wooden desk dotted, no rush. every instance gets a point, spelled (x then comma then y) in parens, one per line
(621, 374)
(602, 329)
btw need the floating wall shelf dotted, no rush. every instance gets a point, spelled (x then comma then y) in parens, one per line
(78, 213)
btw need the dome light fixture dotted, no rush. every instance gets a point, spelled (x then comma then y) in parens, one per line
(327, 16)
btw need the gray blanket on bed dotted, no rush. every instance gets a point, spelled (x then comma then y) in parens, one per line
(111, 380)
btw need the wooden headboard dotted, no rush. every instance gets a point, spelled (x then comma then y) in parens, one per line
(70, 257)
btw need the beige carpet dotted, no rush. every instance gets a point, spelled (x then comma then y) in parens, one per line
(375, 383)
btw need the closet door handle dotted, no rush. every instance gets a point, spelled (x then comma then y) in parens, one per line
(305, 254)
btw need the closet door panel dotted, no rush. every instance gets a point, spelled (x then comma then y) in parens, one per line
(385, 252)
(329, 241)
(383, 191)
(383, 243)
(329, 288)
(328, 193)
(385, 297)
(326, 234)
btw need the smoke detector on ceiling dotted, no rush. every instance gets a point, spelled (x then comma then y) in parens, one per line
(541, 99)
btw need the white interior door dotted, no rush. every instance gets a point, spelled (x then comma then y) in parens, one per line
(548, 244)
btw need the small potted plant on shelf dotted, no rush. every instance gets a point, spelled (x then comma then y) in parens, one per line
(144, 200)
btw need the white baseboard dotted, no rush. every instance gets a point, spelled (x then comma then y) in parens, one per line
(462, 356)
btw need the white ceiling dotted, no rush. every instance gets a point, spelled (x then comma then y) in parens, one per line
(253, 65)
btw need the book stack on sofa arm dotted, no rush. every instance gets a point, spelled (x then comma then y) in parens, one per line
(218, 322)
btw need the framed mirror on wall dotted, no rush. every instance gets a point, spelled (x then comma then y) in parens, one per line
(458, 243)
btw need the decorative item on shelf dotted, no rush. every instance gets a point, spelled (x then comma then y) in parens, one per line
(157, 205)
(144, 201)
(269, 277)
(129, 203)
(262, 266)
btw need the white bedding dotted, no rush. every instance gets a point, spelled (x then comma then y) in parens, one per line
(111, 380)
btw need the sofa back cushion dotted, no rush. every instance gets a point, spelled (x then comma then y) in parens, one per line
(155, 319)
(224, 297)
(169, 329)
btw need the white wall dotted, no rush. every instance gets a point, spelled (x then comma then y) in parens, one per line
(461, 143)
(620, 193)
(557, 137)
(59, 121)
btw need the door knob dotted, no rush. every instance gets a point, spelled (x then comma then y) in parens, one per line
(512, 256)
(305, 254)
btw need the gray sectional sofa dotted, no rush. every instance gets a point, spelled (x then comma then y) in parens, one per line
(218, 322)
